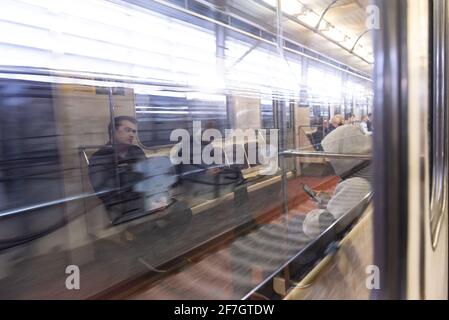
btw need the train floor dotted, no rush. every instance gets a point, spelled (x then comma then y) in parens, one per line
(233, 270)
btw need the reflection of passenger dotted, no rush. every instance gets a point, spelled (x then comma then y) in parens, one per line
(336, 121)
(364, 125)
(369, 122)
(204, 181)
(111, 168)
(351, 119)
(355, 174)
(317, 135)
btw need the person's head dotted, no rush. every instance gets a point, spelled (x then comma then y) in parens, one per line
(125, 129)
(337, 120)
(365, 118)
(351, 118)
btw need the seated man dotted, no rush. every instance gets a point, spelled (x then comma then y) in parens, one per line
(111, 169)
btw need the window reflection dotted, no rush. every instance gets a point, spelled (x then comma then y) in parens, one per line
(90, 95)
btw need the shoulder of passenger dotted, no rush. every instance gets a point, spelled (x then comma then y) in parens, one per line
(137, 150)
(101, 154)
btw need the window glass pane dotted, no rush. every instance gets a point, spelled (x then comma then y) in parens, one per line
(159, 115)
(178, 141)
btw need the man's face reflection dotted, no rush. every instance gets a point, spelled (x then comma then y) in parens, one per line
(125, 133)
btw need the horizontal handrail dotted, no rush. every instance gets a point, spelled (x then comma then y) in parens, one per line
(301, 153)
(52, 203)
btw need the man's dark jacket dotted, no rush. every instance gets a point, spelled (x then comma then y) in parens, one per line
(116, 176)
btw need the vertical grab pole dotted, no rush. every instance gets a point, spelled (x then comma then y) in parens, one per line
(281, 109)
(280, 39)
(282, 136)
(112, 116)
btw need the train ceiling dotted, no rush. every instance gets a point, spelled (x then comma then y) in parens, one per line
(341, 33)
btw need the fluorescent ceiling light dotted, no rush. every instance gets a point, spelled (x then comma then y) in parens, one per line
(311, 18)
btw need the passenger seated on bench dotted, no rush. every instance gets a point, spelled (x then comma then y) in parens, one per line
(111, 169)
(355, 175)
(336, 121)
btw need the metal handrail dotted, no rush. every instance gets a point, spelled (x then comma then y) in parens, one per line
(300, 153)
(83, 196)
(51, 203)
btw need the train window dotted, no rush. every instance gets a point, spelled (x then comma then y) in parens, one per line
(267, 115)
(319, 77)
(283, 171)
(29, 162)
(159, 115)
(29, 157)
(109, 44)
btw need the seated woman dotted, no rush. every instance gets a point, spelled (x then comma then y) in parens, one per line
(336, 121)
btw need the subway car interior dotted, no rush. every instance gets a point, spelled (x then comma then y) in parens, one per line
(224, 149)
